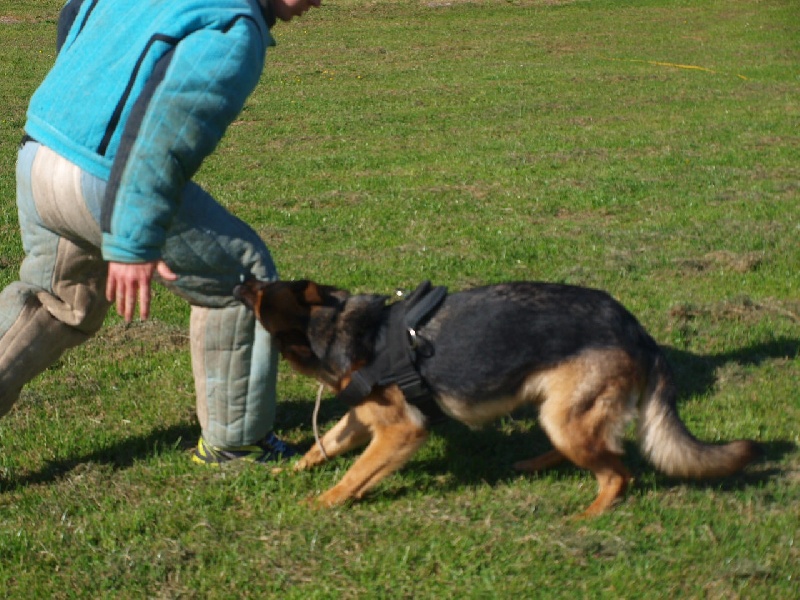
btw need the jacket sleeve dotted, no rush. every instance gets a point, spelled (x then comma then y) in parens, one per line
(203, 85)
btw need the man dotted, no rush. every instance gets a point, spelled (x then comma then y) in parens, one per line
(140, 93)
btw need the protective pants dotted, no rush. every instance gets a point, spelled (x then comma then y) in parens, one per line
(59, 300)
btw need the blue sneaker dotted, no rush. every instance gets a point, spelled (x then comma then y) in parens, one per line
(270, 449)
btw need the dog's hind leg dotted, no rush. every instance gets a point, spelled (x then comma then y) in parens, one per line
(611, 474)
(545, 461)
(589, 450)
(612, 479)
(587, 405)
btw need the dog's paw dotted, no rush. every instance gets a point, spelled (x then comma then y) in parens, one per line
(333, 497)
(302, 465)
(311, 459)
(315, 502)
(310, 502)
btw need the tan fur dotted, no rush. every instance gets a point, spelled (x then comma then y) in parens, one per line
(673, 449)
(394, 430)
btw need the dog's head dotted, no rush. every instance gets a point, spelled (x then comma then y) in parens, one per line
(322, 331)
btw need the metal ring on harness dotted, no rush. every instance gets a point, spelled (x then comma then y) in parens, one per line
(413, 339)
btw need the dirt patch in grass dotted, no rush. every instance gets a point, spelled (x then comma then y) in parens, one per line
(738, 262)
(16, 20)
(742, 309)
(122, 341)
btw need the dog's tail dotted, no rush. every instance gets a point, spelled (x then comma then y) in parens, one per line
(671, 447)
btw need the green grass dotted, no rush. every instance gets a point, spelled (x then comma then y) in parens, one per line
(465, 142)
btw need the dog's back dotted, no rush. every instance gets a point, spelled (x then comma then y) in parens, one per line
(488, 340)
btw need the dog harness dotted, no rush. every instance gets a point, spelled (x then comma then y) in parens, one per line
(399, 349)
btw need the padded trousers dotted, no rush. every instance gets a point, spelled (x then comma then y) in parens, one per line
(59, 300)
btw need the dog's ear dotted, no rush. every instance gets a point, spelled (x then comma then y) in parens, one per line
(283, 306)
(315, 294)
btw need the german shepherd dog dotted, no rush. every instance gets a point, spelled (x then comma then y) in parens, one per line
(575, 352)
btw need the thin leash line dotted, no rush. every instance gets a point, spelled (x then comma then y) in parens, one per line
(314, 422)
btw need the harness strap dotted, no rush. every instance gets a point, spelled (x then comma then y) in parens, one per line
(361, 384)
(422, 302)
(395, 362)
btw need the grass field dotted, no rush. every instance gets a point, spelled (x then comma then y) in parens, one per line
(647, 147)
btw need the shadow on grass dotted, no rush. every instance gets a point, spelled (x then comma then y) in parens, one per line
(486, 457)
(120, 455)
(470, 457)
(696, 374)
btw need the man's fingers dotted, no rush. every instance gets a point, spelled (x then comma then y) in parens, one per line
(165, 272)
(144, 302)
(111, 292)
(126, 302)
(129, 283)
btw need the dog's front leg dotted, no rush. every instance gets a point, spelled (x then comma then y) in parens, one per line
(397, 430)
(348, 433)
(390, 449)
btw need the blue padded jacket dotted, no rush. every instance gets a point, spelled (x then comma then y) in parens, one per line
(140, 93)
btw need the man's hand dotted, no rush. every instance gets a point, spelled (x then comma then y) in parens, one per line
(129, 282)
